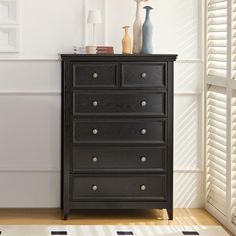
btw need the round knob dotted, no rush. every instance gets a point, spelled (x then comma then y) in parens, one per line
(143, 131)
(95, 75)
(143, 103)
(94, 159)
(143, 159)
(143, 187)
(95, 103)
(143, 75)
(95, 131)
(94, 187)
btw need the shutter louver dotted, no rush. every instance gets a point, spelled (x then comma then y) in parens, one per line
(216, 148)
(217, 38)
(234, 158)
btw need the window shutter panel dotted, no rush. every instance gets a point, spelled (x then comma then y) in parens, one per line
(217, 38)
(216, 149)
(234, 157)
(233, 33)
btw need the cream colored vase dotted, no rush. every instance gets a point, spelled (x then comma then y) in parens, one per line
(137, 30)
(126, 41)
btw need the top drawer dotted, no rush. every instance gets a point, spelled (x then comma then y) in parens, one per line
(144, 75)
(94, 75)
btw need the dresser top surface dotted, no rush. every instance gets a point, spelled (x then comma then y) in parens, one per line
(117, 57)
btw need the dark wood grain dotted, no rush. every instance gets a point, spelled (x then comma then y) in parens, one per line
(119, 131)
(119, 159)
(118, 188)
(152, 75)
(122, 103)
(110, 101)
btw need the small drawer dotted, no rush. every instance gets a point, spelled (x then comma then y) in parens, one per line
(118, 158)
(153, 104)
(119, 131)
(119, 188)
(94, 75)
(151, 75)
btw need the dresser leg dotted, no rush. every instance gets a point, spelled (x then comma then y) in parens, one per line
(66, 214)
(170, 213)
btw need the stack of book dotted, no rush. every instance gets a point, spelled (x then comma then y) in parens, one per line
(105, 50)
(93, 49)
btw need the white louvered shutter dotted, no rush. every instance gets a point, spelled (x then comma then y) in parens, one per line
(234, 157)
(217, 38)
(216, 148)
(233, 39)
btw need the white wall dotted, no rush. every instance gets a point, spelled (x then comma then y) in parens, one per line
(30, 93)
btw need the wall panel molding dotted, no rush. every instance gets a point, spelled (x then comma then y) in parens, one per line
(189, 61)
(30, 93)
(30, 59)
(28, 170)
(188, 93)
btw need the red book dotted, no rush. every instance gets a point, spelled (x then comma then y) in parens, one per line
(105, 50)
(104, 47)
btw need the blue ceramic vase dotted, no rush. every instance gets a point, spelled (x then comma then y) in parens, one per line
(147, 30)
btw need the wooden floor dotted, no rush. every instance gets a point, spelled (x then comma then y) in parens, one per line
(100, 217)
(103, 217)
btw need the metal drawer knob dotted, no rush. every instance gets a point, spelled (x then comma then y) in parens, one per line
(143, 103)
(143, 131)
(95, 103)
(94, 159)
(94, 187)
(143, 75)
(95, 75)
(143, 187)
(143, 159)
(95, 131)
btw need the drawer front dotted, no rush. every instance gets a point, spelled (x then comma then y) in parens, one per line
(123, 158)
(119, 131)
(119, 188)
(144, 75)
(94, 75)
(120, 104)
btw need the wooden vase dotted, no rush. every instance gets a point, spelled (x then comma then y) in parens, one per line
(126, 41)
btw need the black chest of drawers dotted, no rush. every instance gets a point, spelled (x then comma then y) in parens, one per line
(117, 132)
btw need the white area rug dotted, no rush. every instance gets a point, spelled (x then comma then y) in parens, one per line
(110, 230)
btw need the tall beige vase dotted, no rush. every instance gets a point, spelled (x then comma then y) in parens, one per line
(137, 29)
(126, 41)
